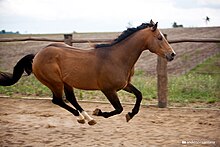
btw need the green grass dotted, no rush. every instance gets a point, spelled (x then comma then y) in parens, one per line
(28, 86)
(147, 84)
(201, 84)
(194, 88)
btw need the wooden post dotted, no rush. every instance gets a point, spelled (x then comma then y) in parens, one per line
(162, 81)
(68, 39)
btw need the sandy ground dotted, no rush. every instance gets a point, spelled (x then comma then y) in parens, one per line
(40, 123)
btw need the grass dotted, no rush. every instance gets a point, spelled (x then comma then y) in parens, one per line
(201, 84)
(28, 86)
(194, 88)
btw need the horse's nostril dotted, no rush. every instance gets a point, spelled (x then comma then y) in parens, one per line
(173, 54)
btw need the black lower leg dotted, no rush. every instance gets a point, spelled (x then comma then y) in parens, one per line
(131, 89)
(113, 98)
(60, 102)
(99, 112)
(71, 97)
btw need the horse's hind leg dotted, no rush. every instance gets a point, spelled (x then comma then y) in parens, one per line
(113, 98)
(59, 101)
(72, 99)
(50, 76)
(131, 89)
(57, 90)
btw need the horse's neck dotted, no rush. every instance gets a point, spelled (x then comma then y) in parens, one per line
(128, 51)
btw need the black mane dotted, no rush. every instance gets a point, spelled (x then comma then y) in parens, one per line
(125, 34)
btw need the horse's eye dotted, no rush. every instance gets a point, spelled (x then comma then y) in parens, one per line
(159, 37)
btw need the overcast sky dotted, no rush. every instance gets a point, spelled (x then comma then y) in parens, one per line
(66, 16)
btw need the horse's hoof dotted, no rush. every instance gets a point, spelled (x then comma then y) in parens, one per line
(92, 122)
(96, 112)
(127, 117)
(81, 121)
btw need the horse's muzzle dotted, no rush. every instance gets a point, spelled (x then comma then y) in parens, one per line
(171, 56)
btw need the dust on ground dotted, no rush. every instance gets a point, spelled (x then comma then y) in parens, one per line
(26, 122)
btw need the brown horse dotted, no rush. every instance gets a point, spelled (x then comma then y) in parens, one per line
(105, 67)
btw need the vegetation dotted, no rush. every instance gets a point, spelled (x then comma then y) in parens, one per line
(194, 88)
(28, 86)
(202, 84)
(175, 25)
(6, 32)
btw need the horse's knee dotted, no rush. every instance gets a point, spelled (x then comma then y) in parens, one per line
(119, 110)
(139, 95)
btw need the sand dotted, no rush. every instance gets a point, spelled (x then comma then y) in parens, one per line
(25, 122)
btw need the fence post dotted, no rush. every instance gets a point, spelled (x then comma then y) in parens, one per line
(68, 39)
(162, 81)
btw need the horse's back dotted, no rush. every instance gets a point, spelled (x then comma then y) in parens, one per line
(61, 63)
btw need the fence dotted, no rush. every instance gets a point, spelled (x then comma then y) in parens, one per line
(162, 79)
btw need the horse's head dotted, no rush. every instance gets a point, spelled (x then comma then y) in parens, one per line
(158, 44)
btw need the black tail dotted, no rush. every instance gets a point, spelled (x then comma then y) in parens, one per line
(24, 64)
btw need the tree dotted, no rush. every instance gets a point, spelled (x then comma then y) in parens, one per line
(175, 25)
(3, 32)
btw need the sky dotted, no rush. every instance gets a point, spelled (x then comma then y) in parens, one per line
(67, 16)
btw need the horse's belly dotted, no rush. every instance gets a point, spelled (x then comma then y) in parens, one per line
(82, 82)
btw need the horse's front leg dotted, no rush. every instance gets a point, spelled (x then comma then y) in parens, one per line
(113, 98)
(131, 89)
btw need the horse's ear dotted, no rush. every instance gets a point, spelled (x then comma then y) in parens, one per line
(151, 22)
(154, 27)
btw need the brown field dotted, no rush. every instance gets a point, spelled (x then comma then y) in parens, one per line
(41, 123)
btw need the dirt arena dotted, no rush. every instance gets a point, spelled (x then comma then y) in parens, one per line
(26, 122)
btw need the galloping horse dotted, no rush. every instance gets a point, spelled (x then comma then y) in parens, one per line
(105, 67)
